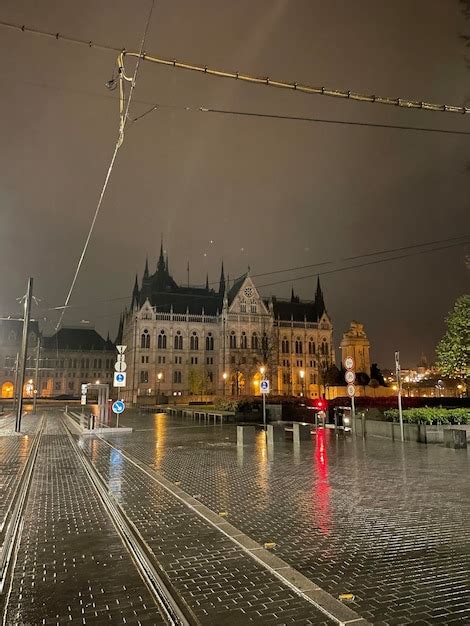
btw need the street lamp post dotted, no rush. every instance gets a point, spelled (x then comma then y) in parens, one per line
(262, 370)
(159, 378)
(302, 380)
(224, 376)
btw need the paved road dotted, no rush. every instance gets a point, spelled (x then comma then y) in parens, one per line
(385, 522)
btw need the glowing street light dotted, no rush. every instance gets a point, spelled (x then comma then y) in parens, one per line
(224, 376)
(159, 378)
(302, 379)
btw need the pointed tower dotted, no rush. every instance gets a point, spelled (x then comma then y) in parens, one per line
(292, 295)
(319, 301)
(146, 270)
(167, 265)
(207, 282)
(161, 265)
(120, 330)
(222, 281)
(135, 294)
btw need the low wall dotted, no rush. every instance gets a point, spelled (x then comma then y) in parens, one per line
(422, 433)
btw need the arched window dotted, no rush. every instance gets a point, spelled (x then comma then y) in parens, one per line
(254, 342)
(242, 305)
(144, 376)
(209, 342)
(145, 339)
(298, 346)
(244, 341)
(264, 342)
(161, 340)
(177, 378)
(285, 346)
(194, 341)
(253, 307)
(324, 347)
(178, 343)
(311, 346)
(233, 339)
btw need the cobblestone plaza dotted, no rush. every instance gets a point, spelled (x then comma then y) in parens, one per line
(382, 521)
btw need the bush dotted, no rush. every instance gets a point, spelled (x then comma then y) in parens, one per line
(430, 415)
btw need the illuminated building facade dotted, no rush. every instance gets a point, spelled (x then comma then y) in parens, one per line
(201, 341)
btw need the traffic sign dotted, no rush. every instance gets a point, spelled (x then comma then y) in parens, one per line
(120, 366)
(83, 400)
(350, 377)
(121, 349)
(119, 379)
(349, 363)
(264, 386)
(351, 391)
(84, 388)
(118, 407)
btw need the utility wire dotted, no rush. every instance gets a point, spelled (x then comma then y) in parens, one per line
(298, 118)
(266, 81)
(120, 138)
(465, 241)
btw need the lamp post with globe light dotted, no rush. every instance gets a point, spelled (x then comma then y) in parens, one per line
(302, 381)
(224, 377)
(159, 379)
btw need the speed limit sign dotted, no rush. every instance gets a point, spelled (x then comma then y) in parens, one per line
(349, 363)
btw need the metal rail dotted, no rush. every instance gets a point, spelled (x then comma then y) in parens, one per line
(15, 511)
(174, 609)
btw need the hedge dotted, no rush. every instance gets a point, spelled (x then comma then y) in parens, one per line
(430, 416)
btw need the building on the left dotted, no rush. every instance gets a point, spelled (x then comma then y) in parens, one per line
(67, 359)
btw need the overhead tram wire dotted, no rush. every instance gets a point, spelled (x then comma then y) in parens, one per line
(299, 118)
(262, 81)
(124, 113)
(313, 275)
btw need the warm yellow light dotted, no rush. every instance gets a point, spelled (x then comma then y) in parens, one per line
(394, 387)
(159, 375)
(97, 382)
(255, 382)
(224, 375)
(30, 381)
(262, 370)
(459, 386)
(302, 373)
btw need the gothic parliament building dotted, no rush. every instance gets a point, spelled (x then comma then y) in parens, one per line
(185, 341)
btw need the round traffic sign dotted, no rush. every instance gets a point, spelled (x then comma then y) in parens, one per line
(350, 377)
(120, 366)
(118, 407)
(351, 391)
(264, 386)
(349, 363)
(119, 378)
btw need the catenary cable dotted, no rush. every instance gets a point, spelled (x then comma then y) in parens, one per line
(266, 81)
(120, 138)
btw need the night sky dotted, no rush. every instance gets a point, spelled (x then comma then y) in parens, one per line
(269, 194)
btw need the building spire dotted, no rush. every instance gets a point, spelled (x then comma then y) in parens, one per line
(146, 269)
(292, 295)
(161, 259)
(319, 300)
(135, 293)
(222, 280)
(166, 264)
(207, 282)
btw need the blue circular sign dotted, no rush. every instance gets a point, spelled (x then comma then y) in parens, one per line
(118, 407)
(119, 378)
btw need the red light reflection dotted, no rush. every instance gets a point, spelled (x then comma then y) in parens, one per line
(322, 486)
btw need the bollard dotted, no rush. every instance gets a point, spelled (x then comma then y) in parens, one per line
(301, 433)
(275, 434)
(246, 435)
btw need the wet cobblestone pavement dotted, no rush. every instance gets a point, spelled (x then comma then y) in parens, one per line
(384, 522)
(71, 565)
(221, 583)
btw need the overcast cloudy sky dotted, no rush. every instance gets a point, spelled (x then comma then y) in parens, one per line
(267, 193)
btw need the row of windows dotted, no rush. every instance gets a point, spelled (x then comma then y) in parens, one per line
(162, 343)
(255, 341)
(287, 380)
(299, 346)
(298, 363)
(10, 361)
(177, 376)
(178, 360)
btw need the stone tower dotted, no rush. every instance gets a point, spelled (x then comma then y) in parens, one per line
(356, 344)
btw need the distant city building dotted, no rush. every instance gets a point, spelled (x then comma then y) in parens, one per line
(67, 359)
(356, 345)
(199, 340)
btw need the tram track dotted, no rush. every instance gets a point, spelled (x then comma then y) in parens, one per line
(12, 524)
(173, 608)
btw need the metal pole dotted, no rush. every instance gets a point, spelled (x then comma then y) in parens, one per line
(264, 413)
(353, 415)
(15, 388)
(400, 411)
(36, 376)
(24, 349)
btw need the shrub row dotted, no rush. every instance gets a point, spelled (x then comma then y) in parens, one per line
(430, 415)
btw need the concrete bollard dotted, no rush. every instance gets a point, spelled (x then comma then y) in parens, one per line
(455, 438)
(246, 435)
(275, 434)
(301, 433)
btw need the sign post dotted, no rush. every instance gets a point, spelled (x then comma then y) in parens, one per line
(118, 408)
(264, 387)
(400, 411)
(350, 377)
